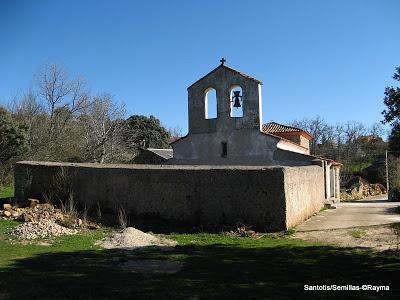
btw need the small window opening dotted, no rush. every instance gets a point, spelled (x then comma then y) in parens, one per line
(210, 103)
(236, 102)
(224, 149)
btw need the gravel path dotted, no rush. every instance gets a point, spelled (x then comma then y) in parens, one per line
(354, 214)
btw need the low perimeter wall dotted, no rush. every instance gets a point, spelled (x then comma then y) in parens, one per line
(268, 198)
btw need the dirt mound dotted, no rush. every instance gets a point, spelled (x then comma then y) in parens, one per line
(41, 229)
(132, 238)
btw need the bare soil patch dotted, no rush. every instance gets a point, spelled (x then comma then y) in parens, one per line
(378, 238)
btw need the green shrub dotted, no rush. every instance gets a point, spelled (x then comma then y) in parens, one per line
(394, 194)
(358, 233)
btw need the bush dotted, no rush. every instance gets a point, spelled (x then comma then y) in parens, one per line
(6, 177)
(394, 194)
(394, 177)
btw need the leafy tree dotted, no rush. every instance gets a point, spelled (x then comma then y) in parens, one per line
(13, 145)
(12, 137)
(143, 132)
(392, 113)
(392, 116)
(394, 139)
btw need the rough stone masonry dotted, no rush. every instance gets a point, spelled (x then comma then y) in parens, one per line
(267, 198)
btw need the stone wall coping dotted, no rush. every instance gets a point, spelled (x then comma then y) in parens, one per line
(150, 167)
(143, 166)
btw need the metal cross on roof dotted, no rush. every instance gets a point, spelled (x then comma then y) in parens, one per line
(223, 60)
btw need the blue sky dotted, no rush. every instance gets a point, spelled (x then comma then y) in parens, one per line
(327, 58)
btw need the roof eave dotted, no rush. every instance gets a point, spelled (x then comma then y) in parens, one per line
(228, 68)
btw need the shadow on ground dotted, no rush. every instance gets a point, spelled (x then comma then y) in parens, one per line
(214, 271)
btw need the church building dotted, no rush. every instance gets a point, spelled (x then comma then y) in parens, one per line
(235, 134)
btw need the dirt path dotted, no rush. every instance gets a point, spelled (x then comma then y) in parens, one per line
(379, 238)
(366, 223)
(365, 212)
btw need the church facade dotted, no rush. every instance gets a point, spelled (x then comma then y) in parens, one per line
(237, 138)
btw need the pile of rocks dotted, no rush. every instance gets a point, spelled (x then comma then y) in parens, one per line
(34, 212)
(10, 212)
(37, 212)
(41, 229)
(359, 188)
(44, 220)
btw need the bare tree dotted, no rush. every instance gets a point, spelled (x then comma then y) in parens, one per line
(317, 127)
(176, 131)
(353, 130)
(340, 140)
(62, 122)
(62, 96)
(351, 143)
(103, 119)
(376, 130)
(28, 105)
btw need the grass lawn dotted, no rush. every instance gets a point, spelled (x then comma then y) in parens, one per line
(6, 192)
(214, 266)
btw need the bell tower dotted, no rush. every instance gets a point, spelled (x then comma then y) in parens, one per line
(227, 137)
(234, 91)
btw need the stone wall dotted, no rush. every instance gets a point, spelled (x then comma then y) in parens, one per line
(303, 186)
(268, 198)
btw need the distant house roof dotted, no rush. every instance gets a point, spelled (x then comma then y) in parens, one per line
(228, 68)
(370, 138)
(164, 153)
(276, 128)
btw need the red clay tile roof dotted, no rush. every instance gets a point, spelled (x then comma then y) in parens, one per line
(273, 127)
(276, 128)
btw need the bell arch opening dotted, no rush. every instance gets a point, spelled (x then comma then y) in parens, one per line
(210, 103)
(236, 101)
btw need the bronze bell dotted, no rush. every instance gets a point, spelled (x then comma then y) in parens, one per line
(236, 99)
